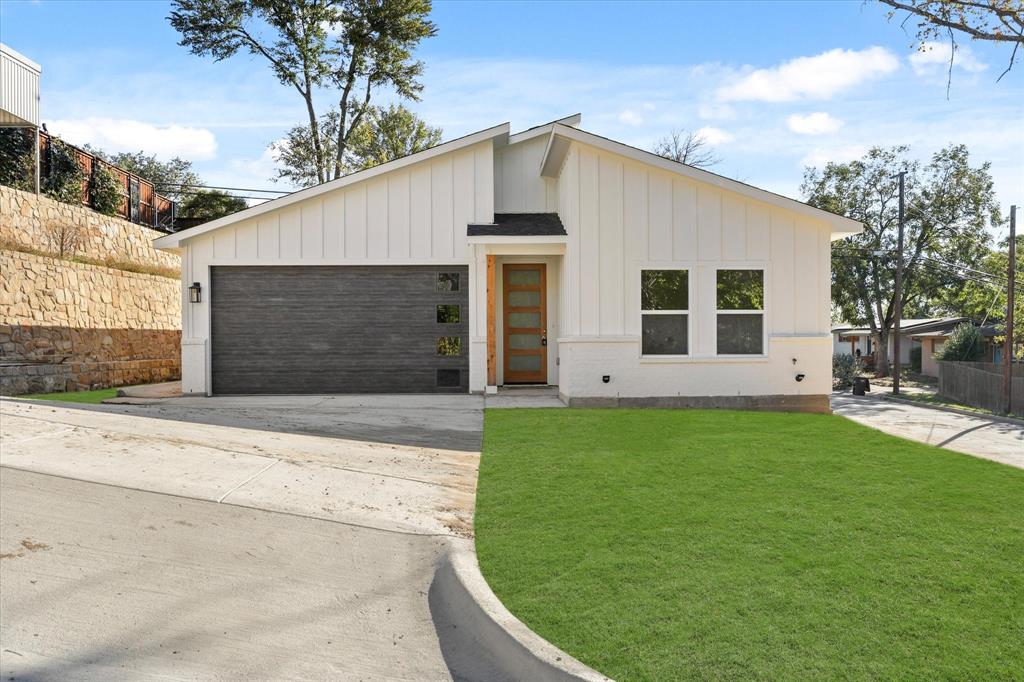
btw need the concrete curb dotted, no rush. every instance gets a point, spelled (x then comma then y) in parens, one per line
(480, 639)
(956, 410)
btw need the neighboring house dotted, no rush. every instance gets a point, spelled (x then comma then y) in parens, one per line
(849, 339)
(550, 256)
(932, 337)
(928, 334)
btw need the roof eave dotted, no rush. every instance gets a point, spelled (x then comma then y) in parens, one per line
(841, 225)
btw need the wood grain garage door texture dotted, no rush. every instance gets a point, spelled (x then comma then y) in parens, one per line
(336, 329)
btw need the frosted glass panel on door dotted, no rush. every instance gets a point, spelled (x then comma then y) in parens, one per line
(524, 363)
(529, 320)
(523, 299)
(524, 277)
(524, 341)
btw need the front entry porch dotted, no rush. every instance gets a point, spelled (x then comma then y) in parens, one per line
(522, 301)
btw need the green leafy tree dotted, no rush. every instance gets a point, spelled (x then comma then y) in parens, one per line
(390, 133)
(984, 300)
(384, 135)
(949, 205)
(17, 160)
(349, 48)
(105, 190)
(965, 344)
(64, 180)
(210, 204)
(172, 179)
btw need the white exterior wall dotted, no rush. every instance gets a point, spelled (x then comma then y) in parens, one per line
(415, 215)
(518, 185)
(622, 215)
(19, 89)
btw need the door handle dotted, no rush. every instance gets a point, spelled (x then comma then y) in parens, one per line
(544, 340)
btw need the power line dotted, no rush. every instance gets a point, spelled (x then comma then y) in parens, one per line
(170, 185)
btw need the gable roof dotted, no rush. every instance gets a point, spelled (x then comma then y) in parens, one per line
(558, 147)
(173, 241)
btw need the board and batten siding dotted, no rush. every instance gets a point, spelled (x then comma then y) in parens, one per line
(622, 216)
(413, 215)
(518, 185)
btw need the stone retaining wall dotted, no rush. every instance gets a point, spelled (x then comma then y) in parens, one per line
(72, 326)
(31, 220)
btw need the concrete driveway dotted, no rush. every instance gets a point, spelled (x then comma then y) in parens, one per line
(230, 538)
(1000, 441)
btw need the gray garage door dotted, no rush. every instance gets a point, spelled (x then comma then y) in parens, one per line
(344, 329)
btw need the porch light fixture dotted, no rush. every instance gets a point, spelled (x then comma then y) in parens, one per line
(195, 293)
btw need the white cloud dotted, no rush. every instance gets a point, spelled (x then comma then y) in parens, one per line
(819, 156)
(630, 117)
(818, 123)
(715, 136)
(125, 135)
(818, 77)
(933, 57)
(711, 110)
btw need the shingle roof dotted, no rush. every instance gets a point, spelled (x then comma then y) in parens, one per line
(519, 225)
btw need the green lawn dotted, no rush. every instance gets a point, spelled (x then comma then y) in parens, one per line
(96, 396)
(688, 544)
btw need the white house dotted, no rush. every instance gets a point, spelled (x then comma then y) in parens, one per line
(549, 256)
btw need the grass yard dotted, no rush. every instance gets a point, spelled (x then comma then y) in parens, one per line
(94, 397)
(689, 544)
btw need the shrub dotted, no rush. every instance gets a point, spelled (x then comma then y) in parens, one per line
(845, 368)
(965, 344)
(17, 160)
(105, 190)
(65, 178)
(915, 359)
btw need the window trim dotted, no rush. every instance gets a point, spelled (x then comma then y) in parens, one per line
(763, 312)
(688, 311)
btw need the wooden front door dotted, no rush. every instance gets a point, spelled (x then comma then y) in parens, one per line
(525, 323)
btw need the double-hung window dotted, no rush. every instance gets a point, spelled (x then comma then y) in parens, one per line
(740, 311)
(665, 312)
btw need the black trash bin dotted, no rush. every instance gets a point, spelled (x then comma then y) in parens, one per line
(860, 385)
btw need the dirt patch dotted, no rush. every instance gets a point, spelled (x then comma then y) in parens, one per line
(27, 545)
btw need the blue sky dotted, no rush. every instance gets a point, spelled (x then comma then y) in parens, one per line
(774, 85)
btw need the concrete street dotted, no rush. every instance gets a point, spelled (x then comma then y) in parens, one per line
(245, 547)
(980, 436)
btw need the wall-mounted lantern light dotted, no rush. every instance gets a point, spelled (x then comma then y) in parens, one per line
(195, 293)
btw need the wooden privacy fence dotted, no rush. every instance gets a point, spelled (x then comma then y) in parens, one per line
(140, 202)
(980, 384)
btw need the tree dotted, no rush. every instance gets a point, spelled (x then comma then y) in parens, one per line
(17, 159)
(687, 147)
(949, 205)
(351, 47)
(1000, 21)
(209, 205)
(388, 134)
(965, 344)
(173, 179)
(983, 298)
(384, 135)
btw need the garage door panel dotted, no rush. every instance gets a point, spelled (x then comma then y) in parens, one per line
(335, 329)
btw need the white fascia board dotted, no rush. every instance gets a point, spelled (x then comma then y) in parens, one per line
(518, 239)
(545, 129)
(17, 56)
(175, 240)
(842, 226)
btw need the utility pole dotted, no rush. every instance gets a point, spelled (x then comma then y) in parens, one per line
(1010, 276)
(899, 295)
